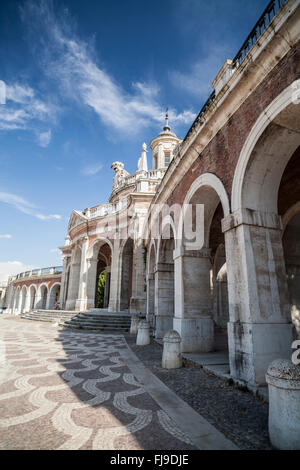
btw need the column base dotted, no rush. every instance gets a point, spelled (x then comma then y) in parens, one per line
(151, 319)
(197, 334)
(137, 305)
(253, 346)
(81, 305)
(70, 304)
(163, 323)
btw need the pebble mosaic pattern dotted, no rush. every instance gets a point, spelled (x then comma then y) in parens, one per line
(72, 390)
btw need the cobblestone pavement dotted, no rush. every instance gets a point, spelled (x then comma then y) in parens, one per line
(239, 415)
(68, 390)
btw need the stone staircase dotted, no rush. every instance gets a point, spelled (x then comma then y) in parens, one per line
(99, 321)
(49, 315)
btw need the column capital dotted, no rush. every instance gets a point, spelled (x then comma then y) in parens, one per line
(183, 251)
(92, 260)
(251, 217)
(164, 267)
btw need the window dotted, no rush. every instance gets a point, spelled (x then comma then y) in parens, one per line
(155, 162)
(167, 158)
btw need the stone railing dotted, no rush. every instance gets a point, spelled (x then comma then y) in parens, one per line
(38, 272)
(261, 25)
(103, 210)
(149, 178)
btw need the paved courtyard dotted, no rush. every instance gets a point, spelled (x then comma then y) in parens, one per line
(76, 390)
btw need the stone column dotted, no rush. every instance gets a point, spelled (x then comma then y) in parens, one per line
(63, 282)
(150, 299)
(107, 287)
(91, 282)
(193, 302)
(164, 298)
(138, 295)
(48, 300)
(260, 328)
(27, 301)
(73, 285)
(81, 301)
(114, 294)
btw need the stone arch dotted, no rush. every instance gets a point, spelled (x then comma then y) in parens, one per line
(96, 245)
(23, 299)
(101, 256)
(210, 192)
(32, 292)
(54, 295)
(164, 279)
(151, 256)
(151, 263)
(258, 290)
(266, 172)
(17, 300)
(42, 296)
(194, 261)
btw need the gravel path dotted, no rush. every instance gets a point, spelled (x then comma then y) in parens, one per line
(242, 417)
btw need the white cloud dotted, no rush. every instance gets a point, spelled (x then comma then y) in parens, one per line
(72, 62)
(25, 206)
(11, 268)
(23, 110)
(90, 170)
(55, 250)
(5, 235)
(48, 217)
(44, 138)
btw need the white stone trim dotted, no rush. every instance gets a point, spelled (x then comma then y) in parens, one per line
(90, 250)
(284, 99)
(211, 180)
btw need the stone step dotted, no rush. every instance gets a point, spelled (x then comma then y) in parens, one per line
(45, 316)
(99, 328)
(82, 320)
(99, 317)
(104, 320)
(96, 325)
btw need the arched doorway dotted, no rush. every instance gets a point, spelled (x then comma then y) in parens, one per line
(23, 299)
(126, 275)
(164, 282)
(200, 236)
(42, 297)
(32, 297)
(54, 295)
(219, 282)
(102, 285)
(151, 286)
(260, 327)
(289, 209)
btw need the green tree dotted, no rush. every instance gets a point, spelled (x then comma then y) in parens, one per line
(100, 290)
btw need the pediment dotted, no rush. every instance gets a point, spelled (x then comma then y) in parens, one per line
(76, 219)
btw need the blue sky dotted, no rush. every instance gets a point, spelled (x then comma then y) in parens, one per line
(87, 82)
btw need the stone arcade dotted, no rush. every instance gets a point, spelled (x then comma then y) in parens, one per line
(241, 160)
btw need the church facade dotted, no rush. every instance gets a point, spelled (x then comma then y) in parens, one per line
(207, 241)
